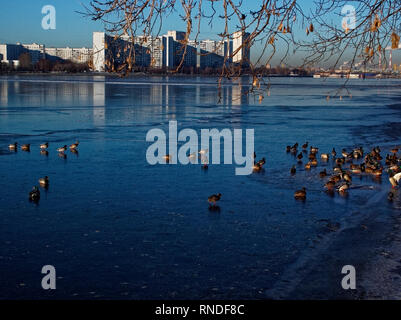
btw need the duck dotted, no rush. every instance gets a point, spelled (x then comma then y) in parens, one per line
(192, 156)
(313, 162)
(293, 170)
(335, 178)
(325, 156)
(214, 198)
(300, 156)
(329, 185)
(394, 150)
(305, 145)
(300, 194)
(357, 153)
(62, 149)
(355, 168)
(346, 177)
(323, 173)
(312, 156)
(343, 188)
(44, 146)
(377, 172)
(257, 167)
(261, 162)
(314, 149)
(13, 146)
(340, 161)
(44, 182)
(34, 195)
(74, 145)
(333, 153)
(344, 153)
(204, 151)
(26, 147)
(308, 166)
(338, 169)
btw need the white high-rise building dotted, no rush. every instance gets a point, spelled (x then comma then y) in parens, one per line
(241, 49)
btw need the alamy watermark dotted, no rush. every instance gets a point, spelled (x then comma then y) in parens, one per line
(49, 20)
(189, 152)
(349, 280)
(49, 280)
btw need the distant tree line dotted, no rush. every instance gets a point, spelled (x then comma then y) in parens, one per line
(44, 65)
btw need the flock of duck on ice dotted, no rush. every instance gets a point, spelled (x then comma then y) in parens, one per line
(339, 180)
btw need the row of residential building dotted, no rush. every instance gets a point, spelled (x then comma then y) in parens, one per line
(166, 51)
(10, 53)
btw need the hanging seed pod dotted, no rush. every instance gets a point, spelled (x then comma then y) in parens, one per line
(311, 28)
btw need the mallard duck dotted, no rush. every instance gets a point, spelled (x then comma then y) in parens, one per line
(26, 147)
(257, 167)
(305, 145)
(343, 188)
(313, 162)
(314, 149)
(300, 156)
(34, 195)
(340, 161)
(325, 156)
(44, 182)
(261, 162)
(333, 153)
(300, 194)
(346, 177)
(62, 149)
(355, 168)
(13, 146)
(395, 150)
(344, 153)
(377, 172)
(293, 170)
(214, 198)
(74, 145)
(323, 173)
(308, 166)
(338, 169)
(312, 156)
(44, 146)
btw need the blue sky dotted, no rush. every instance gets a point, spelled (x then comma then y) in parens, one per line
(20, 21)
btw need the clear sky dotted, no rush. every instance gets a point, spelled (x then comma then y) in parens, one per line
(20, 21)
